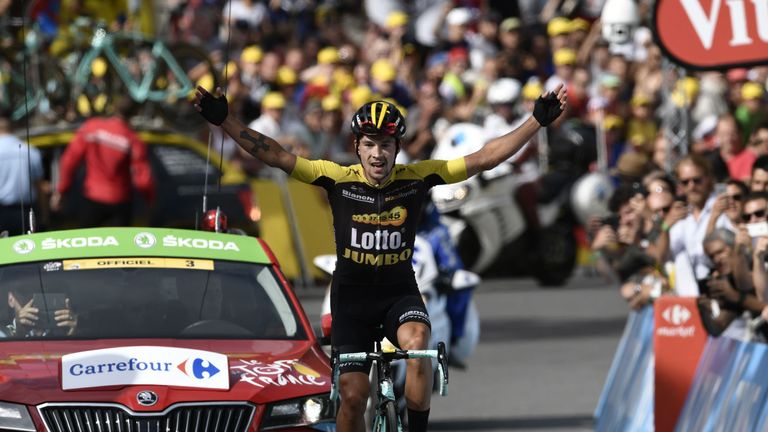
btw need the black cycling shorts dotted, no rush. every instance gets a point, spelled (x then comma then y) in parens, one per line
(358, 319)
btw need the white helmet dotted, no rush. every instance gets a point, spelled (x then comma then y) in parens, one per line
(503, 91)
(590, 195)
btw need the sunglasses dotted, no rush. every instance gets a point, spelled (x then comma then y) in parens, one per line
(695, 180)
(735, 197)
(746, 217)
(666, 209)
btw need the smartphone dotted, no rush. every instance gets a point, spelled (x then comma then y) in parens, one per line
(48, 304)
(757, 229)
(612, 221)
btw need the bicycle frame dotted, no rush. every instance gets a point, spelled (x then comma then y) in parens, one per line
(103, 43)
(384, 386)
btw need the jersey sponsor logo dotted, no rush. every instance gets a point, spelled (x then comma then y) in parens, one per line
(394, 217)
(378, 259)
(378, 240)
(198, 243)
(79, 242)
(400, 195)
(357, 197)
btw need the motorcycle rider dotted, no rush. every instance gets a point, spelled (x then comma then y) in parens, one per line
(374, 277)
(448, 261)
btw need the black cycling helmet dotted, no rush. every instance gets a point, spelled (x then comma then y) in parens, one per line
(378, 118)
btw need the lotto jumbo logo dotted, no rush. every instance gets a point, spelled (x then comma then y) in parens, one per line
(394, 217)
(199, 368)
(676, 315)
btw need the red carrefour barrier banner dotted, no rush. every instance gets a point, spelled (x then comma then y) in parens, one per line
(713, 34)
(679, 340)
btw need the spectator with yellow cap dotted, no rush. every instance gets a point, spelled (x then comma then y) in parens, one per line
(271, 119)
(383, 81)
(751, 111)
(334, 138)
(642, 128)
(564, 60)
(558, 30)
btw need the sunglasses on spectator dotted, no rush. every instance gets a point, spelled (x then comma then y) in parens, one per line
(735, 197)
(695, 180)
(746, 217)
(666, 209)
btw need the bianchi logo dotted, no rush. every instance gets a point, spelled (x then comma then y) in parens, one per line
(24, 247)
(676, 315)
(144, 240)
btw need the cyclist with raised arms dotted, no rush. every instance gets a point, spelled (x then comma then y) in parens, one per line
(376, 205)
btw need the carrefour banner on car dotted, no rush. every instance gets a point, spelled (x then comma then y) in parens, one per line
(147, 365)
(113, 242)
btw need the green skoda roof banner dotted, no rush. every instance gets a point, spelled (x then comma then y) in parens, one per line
(140, 242)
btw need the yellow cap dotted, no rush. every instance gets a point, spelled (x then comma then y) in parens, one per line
(342, 79)
(685, 91)
(286, 76)
(251, 54)
(640, 99)
(273, 100)
(360, 95)
(328, 55)
(612, 121)
(532, 89)
(564, 56)
(751, 90)
(98, 67)
(231, 69)
(331, 102)
(383, 70)
(580, 24)
(396, 19)
(206, 82)
(558, 26)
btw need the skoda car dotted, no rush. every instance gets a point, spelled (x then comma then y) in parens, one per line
(154, 329)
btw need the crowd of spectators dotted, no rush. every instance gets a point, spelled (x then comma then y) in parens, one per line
(685, 219)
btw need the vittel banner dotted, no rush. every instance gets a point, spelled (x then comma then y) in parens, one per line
(147, 365)
(713, 34)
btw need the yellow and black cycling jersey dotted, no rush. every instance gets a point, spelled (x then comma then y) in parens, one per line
(375, 225)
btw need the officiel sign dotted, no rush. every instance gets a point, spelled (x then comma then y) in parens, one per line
(712, 34)
(147, 365)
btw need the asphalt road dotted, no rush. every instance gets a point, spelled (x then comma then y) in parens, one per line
(541, 362)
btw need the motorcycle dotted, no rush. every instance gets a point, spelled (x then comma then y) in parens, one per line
(427, 275)
(487, 223)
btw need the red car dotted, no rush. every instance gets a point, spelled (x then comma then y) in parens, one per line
(147, 329)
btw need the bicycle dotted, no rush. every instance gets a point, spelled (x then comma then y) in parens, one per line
(159, 76)
(386, 418)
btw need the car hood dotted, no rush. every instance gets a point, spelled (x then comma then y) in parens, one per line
(259, 372)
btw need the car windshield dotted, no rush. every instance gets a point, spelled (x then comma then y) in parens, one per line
(144, 298)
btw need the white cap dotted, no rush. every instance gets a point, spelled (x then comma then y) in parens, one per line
(705, 127)
(458, 16)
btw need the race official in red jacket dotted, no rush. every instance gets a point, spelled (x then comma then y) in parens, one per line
(115, 160)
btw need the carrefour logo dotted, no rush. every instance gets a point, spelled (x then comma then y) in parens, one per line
(676, 315)
(144, 240)
(198, 368)
(145, 365)
(24, 247)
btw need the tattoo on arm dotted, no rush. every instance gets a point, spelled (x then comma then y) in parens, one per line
(258, 142)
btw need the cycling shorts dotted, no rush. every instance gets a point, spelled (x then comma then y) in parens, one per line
(358, 321)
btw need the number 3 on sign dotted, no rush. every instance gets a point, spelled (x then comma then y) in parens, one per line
(190, 263)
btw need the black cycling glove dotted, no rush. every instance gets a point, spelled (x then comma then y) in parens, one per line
(547, 109)
(214, 109)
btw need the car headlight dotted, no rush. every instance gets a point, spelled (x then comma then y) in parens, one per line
(15, 417)
(306, 411)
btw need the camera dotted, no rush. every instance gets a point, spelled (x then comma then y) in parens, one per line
(612, 221)
(620, 18)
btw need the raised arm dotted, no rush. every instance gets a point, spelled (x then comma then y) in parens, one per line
(215, 110)
(547, 109)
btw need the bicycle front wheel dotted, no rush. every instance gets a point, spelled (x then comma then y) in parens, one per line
(391, 422)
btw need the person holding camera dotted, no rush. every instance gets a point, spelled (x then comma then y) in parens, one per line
(31, 319)
(696, 184)
(727, 292)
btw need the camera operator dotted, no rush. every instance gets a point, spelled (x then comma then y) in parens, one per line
(727, 292)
